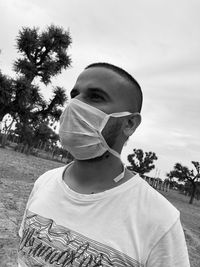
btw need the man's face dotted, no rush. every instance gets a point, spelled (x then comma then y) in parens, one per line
(106, 90)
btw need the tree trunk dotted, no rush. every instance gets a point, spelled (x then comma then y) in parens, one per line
(6, 133)
(4, 140)
(2, 135)
(193, 192)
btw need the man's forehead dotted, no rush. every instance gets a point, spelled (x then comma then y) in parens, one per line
(102, 77)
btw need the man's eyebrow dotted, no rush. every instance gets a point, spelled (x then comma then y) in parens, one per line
(98, 90)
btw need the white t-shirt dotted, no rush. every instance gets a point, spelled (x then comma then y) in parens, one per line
(129, 225)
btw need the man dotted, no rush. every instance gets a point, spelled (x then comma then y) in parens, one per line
(94, 212)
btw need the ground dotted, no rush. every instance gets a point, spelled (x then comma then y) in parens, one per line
(190, 218)
(17, 175)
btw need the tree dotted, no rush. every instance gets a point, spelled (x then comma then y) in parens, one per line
(44, 54)
(183, 173)
(26, 100)
(51, 110)
(7, 92)
(6, 95)
(37, 120)
(37, 133)
(141, 162)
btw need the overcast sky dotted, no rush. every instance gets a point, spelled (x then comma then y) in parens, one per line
(157, 41)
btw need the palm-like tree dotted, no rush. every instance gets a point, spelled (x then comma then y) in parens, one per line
(43, 54)
(6, 95)
(183, 173)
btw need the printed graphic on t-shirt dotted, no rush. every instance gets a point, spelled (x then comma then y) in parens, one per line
(44, 243)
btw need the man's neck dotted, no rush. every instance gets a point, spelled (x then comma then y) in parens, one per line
(95, 175)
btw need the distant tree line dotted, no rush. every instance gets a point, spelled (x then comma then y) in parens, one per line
(189, 177)
(179, 178)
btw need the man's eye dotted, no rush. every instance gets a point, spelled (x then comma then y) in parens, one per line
(96, 97)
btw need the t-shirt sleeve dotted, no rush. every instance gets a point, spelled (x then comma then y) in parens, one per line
(170, 250)
(38, 184)
(27, 204)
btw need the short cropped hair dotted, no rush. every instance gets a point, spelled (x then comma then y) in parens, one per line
(127, 76)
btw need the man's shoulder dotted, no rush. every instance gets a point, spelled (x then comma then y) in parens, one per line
(158, 209)
(155, 200)
(155, 214)
(49, 175)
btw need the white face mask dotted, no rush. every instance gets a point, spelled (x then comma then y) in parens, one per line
(80, 131)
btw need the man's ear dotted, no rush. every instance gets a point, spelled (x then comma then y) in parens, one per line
(131, 124)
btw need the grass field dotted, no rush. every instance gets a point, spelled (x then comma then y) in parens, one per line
(17, 175)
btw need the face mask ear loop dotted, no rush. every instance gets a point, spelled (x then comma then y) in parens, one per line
(112, 151)
(105, 120)
(120, 176)
(103, 124)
